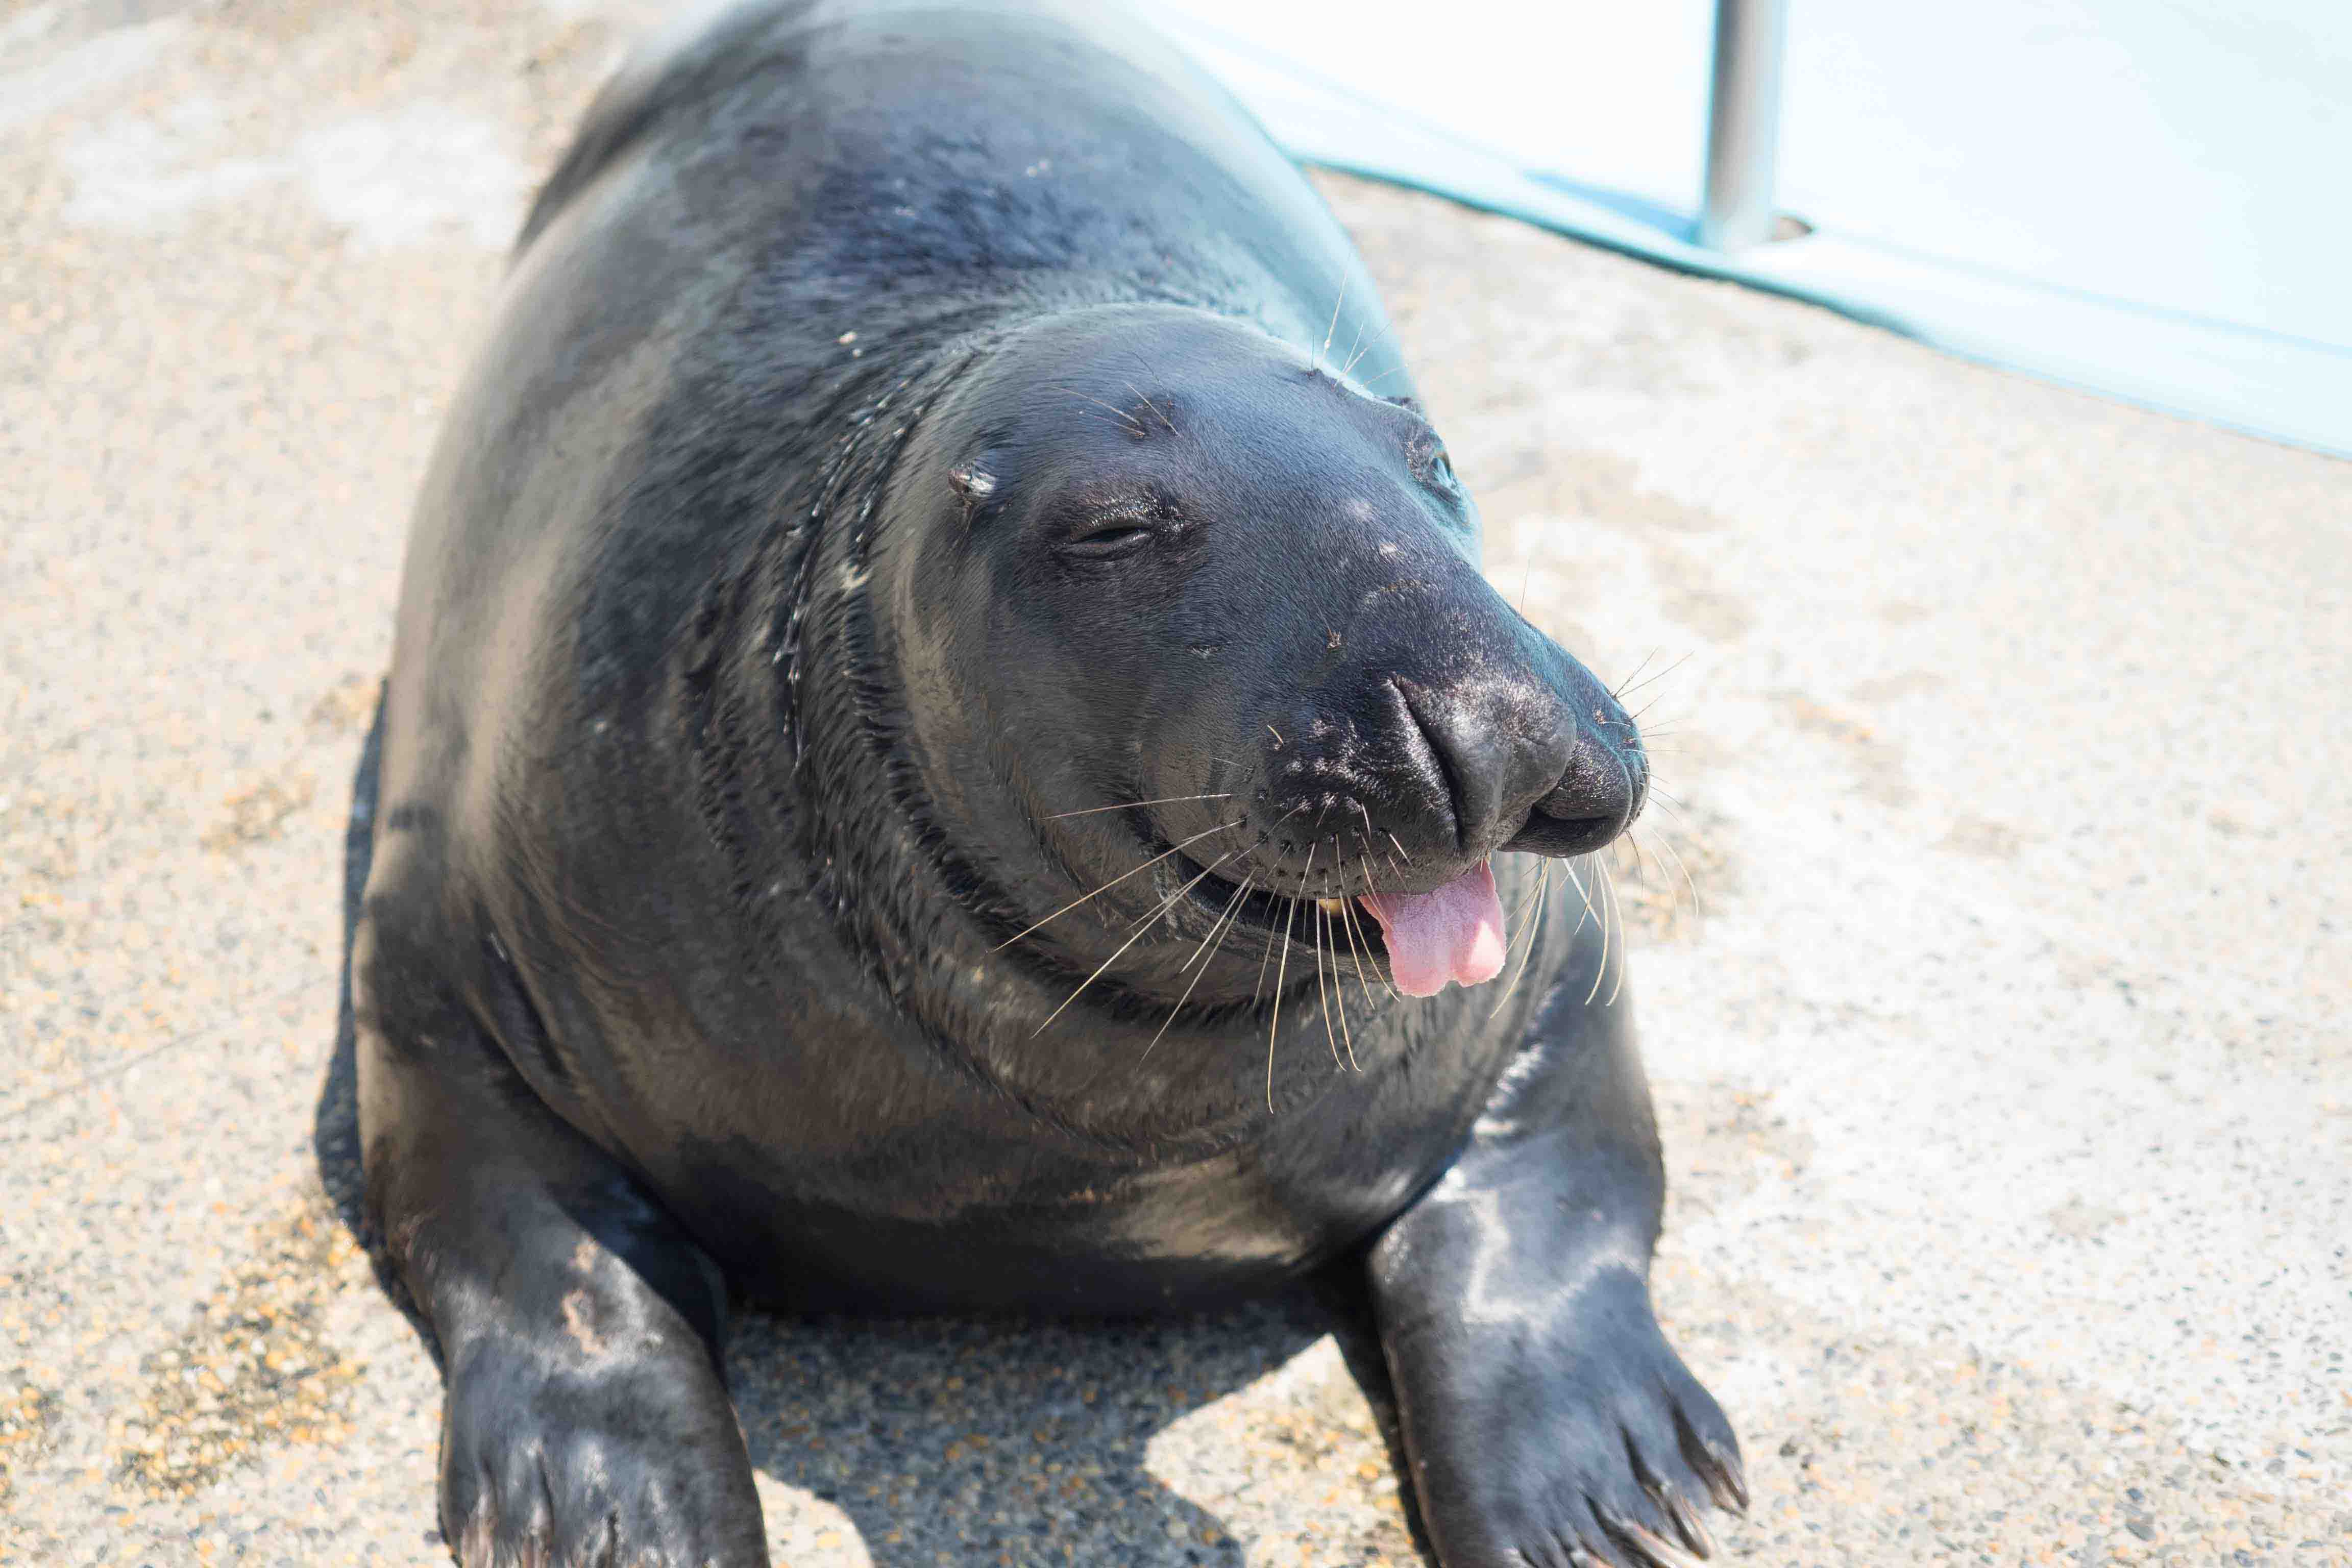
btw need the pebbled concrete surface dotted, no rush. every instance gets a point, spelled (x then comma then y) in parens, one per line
(2005, 1073)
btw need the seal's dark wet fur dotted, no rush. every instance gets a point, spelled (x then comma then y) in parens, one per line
(907, 619)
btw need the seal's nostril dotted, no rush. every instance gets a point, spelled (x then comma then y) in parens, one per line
(1597, 797)
(1561, 836)
(1444, 763)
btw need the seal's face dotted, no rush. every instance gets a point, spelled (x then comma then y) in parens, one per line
(1198, 599)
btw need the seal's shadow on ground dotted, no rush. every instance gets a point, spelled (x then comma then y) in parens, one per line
(961, 1441)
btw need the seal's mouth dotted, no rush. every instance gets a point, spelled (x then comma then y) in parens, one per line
(1450, 936)
(1421, 942)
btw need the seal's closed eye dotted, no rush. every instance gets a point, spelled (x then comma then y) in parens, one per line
(1110, 541)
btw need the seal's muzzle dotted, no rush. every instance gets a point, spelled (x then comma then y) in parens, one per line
(1459, 729)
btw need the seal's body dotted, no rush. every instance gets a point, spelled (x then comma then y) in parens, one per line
(943, 751)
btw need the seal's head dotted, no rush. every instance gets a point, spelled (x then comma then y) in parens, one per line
(1181, 593)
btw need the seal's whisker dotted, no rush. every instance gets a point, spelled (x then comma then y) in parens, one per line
(1115, 881)
(1316, 362)
(1131, 805)
(1667, 851)
(1267, 836)
(1568, 869)
(1153, 406)
(1232, 919)
(1249, 849)
(1519, 915)
(1637, 669)
(1346, 901)
(1166, 904)
(1272, 936)
(1357, 948)
(1356, 349)
(1655, 698)
(1315, 925)
(1671, 807)
(1367, 816)
(1289, 913)
(1345, 921)
(1337, 991)
(1339, 996)
(1641, 860)
(1124, 417)
(1666, 846)
(1519, 920)
(1617, 983)
(1600, 883)
(1387, 333)
(1632, 685)
(1227, 923)
(1586, 896)
(1356, 922)
(1231, 905)
(1626, 773)
(1400, 848)
(1666, 721)
(1543, 886)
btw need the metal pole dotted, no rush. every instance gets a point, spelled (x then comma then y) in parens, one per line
(1743, 125)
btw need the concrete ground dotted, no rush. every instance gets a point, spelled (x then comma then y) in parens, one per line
(2005, 1074)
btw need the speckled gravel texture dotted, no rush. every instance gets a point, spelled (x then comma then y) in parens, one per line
(2005, 1074)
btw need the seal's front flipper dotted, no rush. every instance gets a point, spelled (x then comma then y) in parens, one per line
(1570, 1426)
(586, 1419)
(1547, 1421)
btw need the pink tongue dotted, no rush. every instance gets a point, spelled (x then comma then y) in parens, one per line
(1453, 934)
